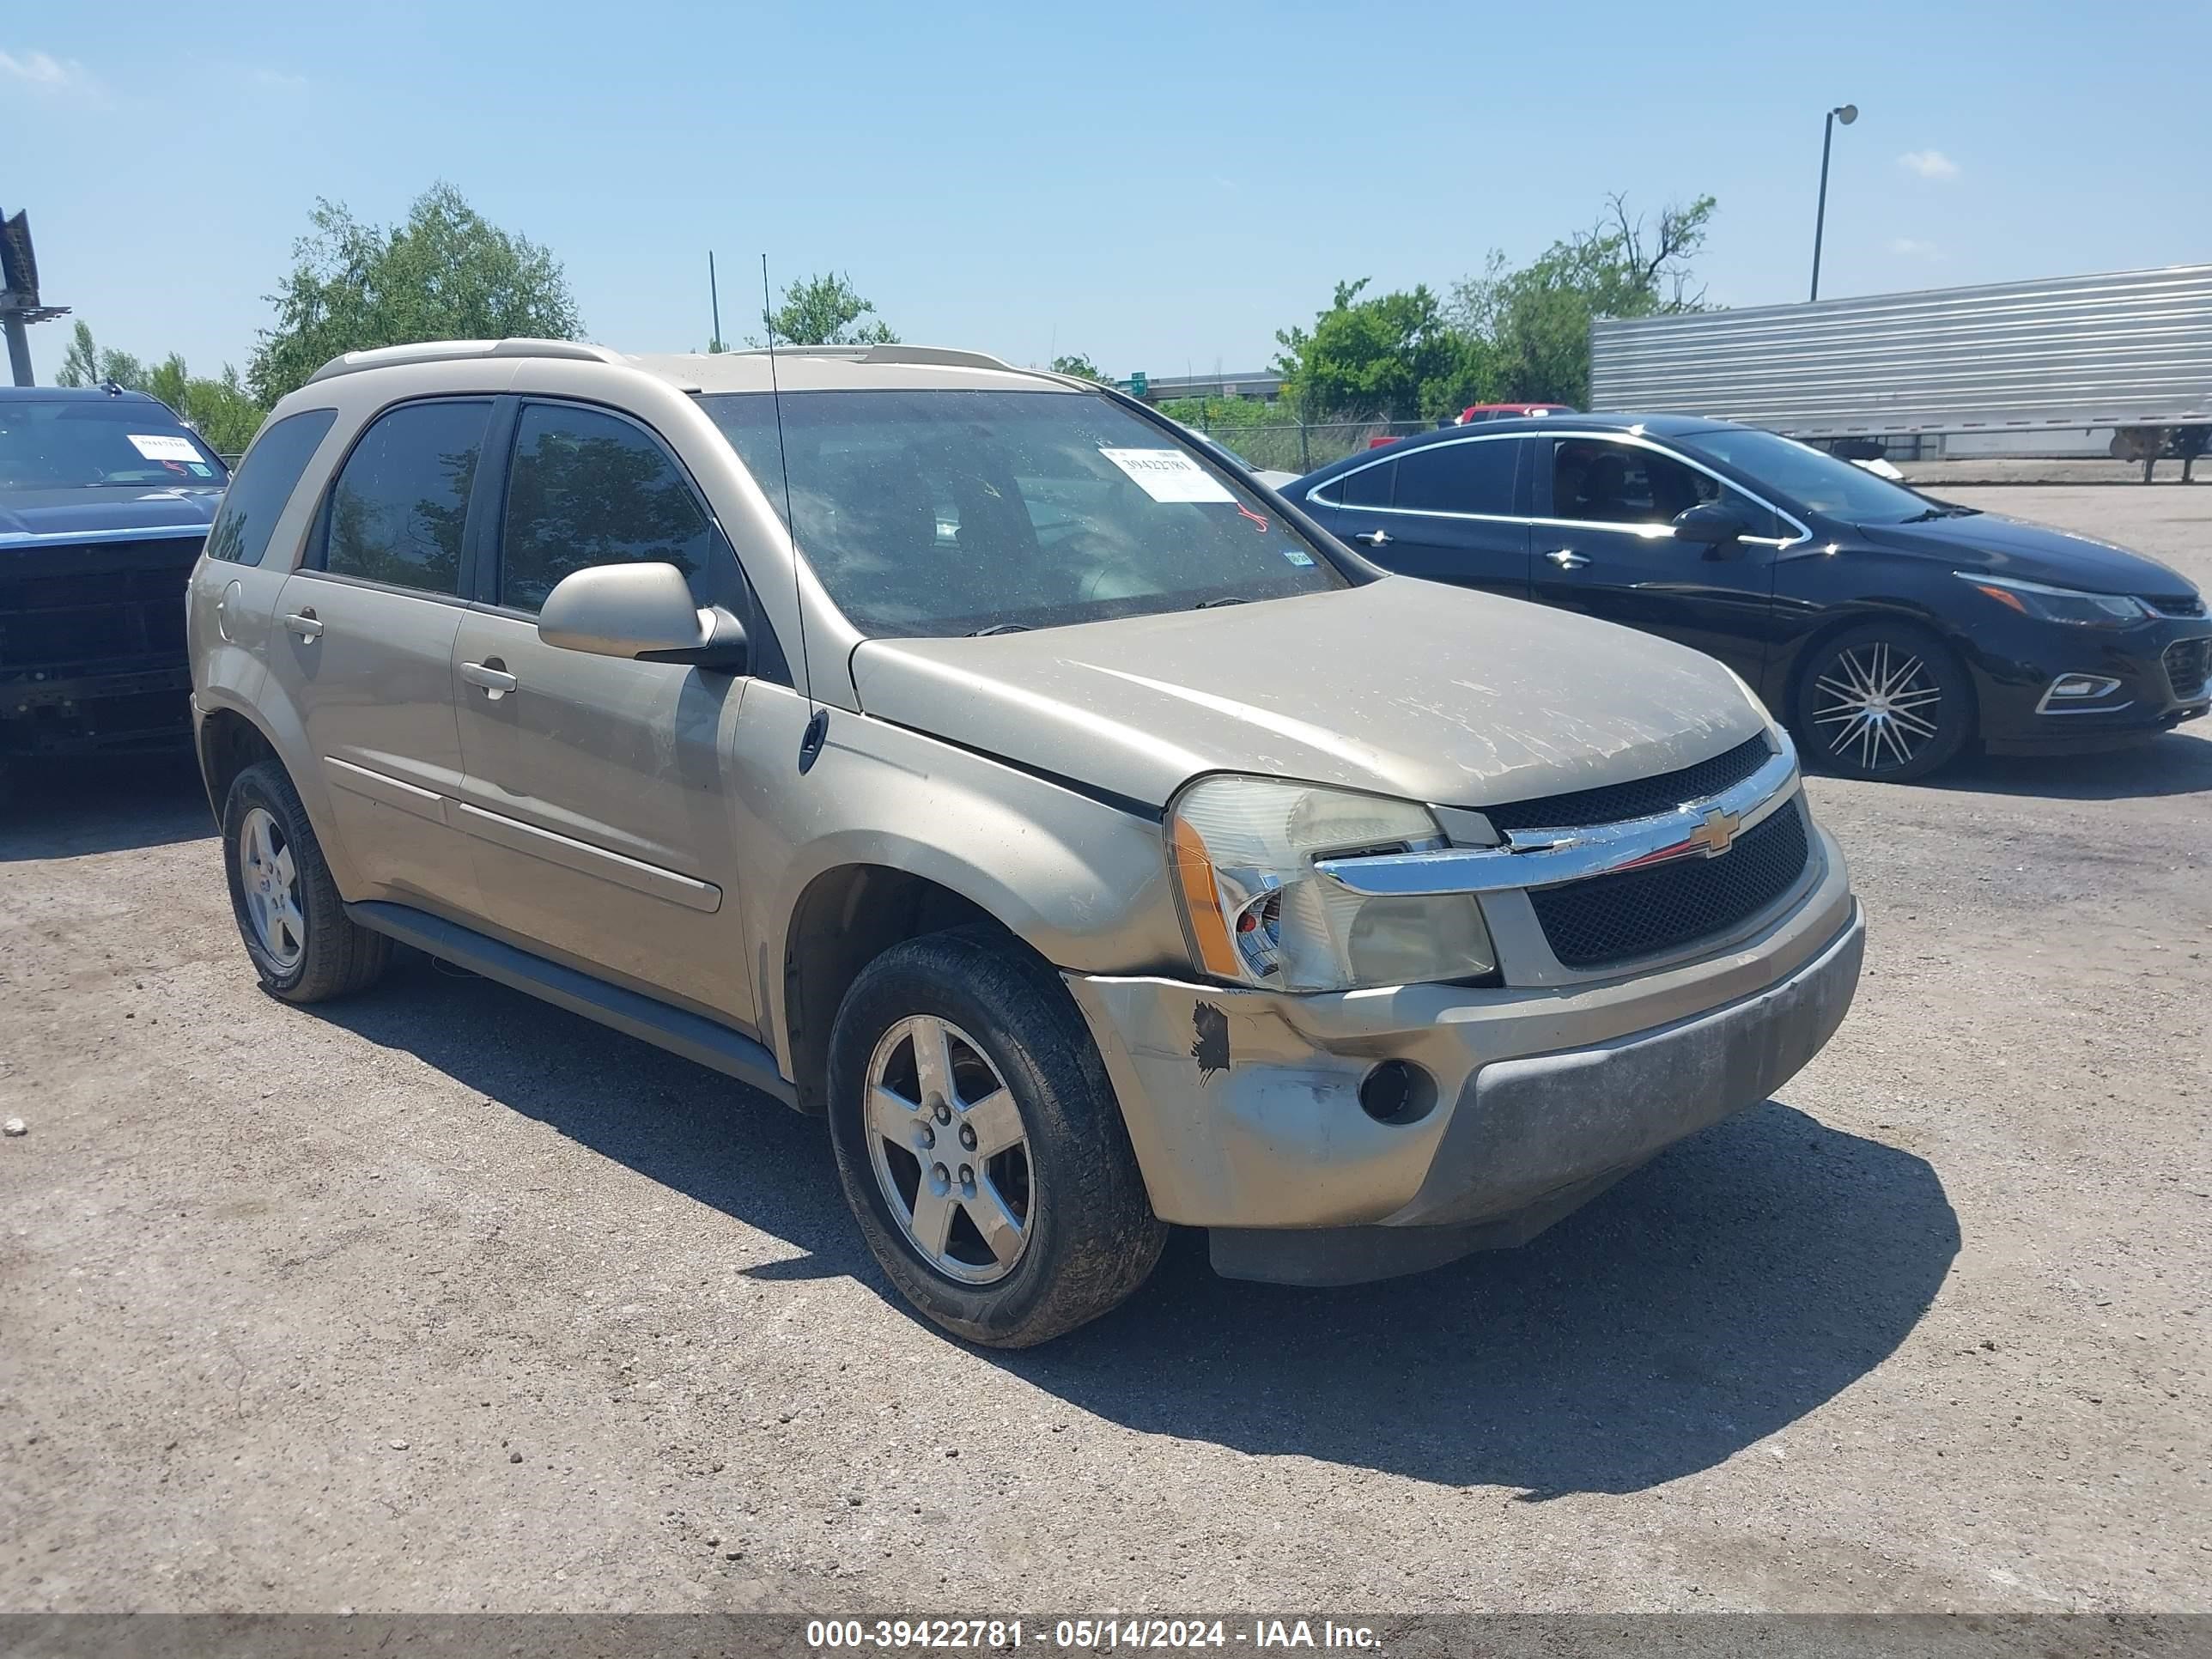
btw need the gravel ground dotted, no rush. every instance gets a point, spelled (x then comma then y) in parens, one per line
(440, 1299)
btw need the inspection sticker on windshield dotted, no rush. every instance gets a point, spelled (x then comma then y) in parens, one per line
(160, 447)
(1169, 475)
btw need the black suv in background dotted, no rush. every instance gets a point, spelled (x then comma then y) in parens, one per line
(105, 501)
(1887, 629)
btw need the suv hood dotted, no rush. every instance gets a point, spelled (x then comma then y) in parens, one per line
(1401, 687)
(2009, 547)
(120, 509)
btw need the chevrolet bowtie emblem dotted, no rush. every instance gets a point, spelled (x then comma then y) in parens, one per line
(1718, 832)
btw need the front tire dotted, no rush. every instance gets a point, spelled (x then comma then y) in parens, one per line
(1887, 702)
(303, 946)
(980, 1146)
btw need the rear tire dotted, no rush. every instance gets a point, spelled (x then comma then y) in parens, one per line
(1887, 702)
(995, 1183)
(302, 945)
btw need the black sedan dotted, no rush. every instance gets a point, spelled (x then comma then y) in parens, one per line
(1888, 630)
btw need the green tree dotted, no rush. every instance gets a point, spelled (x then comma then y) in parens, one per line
(446, 274)
(1391, 357)
(85, 364)
(168, 380)
(223, 410)
(1534, 323)
(1080, 365)
(220, 410)
(826, 310)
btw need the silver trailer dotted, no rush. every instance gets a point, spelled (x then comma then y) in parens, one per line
(2130, 352)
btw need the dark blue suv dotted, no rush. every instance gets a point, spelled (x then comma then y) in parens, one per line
(105, 497)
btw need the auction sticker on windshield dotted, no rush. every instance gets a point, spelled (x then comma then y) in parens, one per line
(160, 447)
(1169, 475)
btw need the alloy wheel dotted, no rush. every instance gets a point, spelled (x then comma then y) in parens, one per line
(271, 881)
(1876, 705)
(951, 1155)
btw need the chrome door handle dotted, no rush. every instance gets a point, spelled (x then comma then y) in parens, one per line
(305, 624)
(1567, 559)
(1373, 538)
(496, 682)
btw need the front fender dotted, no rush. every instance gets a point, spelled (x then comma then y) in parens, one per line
(1083, 883)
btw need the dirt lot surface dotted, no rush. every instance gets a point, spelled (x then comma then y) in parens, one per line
(441, 1299)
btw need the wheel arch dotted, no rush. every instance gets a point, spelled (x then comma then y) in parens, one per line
(846, 917)
(234, 734)
(229, 741)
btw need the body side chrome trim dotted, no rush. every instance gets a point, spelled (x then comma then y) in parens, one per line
(1545, 858)
(1385, 456)
(585, 859)
(385, 790)
(1651, 531)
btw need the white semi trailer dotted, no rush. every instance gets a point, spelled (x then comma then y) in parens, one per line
(2029, 367)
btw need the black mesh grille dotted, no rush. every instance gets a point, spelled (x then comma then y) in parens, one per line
(2192, 606)
(97, 607)
(2188, 664)
(1616, 917)
(1639, 799)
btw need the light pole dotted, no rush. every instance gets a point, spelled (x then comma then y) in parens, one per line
(1846, 113)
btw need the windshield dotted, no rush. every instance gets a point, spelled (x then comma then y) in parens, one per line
(927, 514)
(63, 443)
(1812, 477)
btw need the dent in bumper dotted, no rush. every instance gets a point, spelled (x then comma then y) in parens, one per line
(1243, 1106)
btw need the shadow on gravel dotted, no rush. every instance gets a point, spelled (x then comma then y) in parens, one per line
(54, 809)
(694, 1131)
(2173, 763)
(1740, 1281)
(1737, 1284)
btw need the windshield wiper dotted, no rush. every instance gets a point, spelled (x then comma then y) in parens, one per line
(1942, 510)
(1208, 605)
(998, 627)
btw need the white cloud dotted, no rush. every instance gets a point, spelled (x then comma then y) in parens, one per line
(45, 72)
(1929, 164)
(1912, 248)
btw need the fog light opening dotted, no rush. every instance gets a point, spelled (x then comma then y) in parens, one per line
(1397, 1091)
(2070, 693)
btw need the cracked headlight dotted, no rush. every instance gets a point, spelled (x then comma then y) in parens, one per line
(1257, 912)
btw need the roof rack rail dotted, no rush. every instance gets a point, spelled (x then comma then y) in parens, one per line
(447, 351)
(934, 356)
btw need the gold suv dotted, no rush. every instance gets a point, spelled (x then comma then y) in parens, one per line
(964, 755)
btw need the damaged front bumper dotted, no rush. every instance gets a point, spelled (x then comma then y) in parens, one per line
(1244, 1107)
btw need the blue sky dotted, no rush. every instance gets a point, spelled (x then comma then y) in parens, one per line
(1160, 187)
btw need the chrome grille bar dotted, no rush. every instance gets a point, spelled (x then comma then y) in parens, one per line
(1545, 858)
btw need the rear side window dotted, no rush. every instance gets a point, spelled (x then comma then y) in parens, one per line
(1369, 487)
(586, 488)
(1468, 478)
(265, 481)
(402, 499)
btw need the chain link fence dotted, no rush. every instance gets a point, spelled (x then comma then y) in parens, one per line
(1300, 446)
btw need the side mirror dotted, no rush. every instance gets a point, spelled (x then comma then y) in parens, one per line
(642, 611)
(1715, 525)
